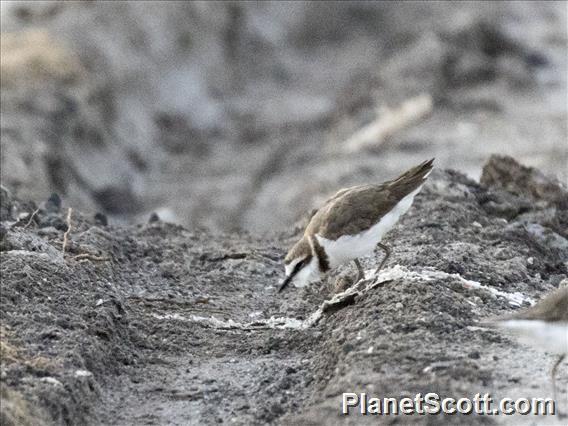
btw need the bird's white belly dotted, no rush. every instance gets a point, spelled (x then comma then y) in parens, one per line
(349, 247)
(546, 336)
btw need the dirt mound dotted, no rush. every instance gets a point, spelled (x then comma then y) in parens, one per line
(156, 324)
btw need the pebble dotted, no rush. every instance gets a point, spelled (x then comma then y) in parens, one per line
(51, 381)
(83, 373)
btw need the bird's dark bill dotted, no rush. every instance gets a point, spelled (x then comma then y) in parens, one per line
(296, 269)
(285, 282)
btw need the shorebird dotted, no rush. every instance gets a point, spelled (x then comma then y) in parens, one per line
(350, 225)
(544, 326)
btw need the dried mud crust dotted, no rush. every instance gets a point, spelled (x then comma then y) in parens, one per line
(164, 329)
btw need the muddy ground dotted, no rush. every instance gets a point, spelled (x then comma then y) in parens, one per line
(235, 115)
(157, 324)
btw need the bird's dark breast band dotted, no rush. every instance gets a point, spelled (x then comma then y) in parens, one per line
(323, 260)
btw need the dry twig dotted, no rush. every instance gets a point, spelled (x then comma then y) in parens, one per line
(389, 122)
(31, 218)
(66, 234)
(89, 256)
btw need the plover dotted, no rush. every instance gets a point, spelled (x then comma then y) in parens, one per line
(350, 225)
(544, 326)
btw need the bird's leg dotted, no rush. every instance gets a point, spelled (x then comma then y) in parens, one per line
(360, 272)
(553, 374)
(387, 255)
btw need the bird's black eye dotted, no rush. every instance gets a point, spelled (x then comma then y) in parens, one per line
(299, 266)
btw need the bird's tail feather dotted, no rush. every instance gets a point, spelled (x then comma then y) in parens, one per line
(412, 179)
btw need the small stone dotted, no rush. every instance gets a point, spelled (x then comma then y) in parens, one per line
(53, 203)
(477, 225)
(342, 284)
(51, 380)
(477, 300)
(154, 218)
(101, 219)
(536, 59)
(399, 306)
(83, 373)
(276, 409)
(474, 355)
(348, 347)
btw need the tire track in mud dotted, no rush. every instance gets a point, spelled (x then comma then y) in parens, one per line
(196, 371)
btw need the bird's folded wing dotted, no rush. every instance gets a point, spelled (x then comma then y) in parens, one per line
(352, 212)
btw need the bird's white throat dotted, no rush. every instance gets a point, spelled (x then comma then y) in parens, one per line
(307, 274)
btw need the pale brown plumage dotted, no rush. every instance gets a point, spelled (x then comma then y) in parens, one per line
(356, 209)
(353, 210)
(552, 308)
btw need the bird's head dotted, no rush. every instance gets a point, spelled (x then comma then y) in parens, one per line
(301, 266)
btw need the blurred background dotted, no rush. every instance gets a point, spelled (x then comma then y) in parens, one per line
(243, 116)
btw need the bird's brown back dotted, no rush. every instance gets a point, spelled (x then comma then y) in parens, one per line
(552, 308)
(353, 210)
